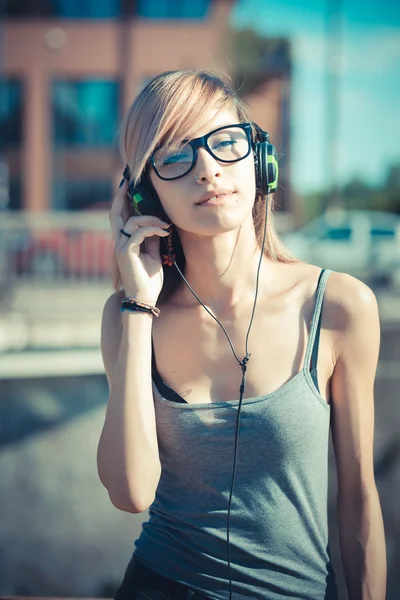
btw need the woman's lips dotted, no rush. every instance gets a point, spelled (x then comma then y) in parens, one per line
(217, 200)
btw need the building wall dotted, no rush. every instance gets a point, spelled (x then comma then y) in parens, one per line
(131, 51)
(128, 52)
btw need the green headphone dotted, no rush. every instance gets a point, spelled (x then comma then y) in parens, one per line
(266, 163)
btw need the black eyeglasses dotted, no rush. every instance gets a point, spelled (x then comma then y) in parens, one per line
(227, 144)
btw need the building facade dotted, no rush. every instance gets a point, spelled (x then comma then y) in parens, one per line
(68, 71)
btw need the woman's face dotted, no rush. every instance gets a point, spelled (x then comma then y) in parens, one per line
(233, 183)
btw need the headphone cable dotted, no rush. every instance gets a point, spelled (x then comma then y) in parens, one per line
(243, 365)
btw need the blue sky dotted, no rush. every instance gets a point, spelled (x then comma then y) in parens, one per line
(369, 84)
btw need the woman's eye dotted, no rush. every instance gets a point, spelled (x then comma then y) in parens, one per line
(173, 158)
(225, 144)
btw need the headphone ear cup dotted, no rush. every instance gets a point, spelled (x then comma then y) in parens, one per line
(145, 200)
(273, 168)
(267, 167)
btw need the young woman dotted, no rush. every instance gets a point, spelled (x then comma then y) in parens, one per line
(228, 363)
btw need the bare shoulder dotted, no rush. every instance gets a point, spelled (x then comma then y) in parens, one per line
(111, 329)
(351, 310)
(345, 296)
(349, 298)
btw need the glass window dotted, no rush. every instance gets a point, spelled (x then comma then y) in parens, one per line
(83, 194)
(11, 117)
(337, 233)
(15, 194)
(69, 9)
(11, 139)
(383, 233)
(173, 9)
(97, 9)
(85, 113)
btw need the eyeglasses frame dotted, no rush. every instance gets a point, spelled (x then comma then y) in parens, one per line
(203, 143)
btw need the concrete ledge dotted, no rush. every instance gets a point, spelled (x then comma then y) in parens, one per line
(50, 363)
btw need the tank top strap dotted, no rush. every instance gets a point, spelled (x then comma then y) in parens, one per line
(310, 361)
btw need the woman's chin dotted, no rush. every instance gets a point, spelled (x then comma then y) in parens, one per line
(212, 227)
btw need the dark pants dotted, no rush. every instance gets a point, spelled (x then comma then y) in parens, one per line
(141, 583)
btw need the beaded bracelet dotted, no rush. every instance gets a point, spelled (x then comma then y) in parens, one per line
(134, 305)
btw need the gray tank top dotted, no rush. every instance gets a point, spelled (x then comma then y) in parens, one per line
(279, 525)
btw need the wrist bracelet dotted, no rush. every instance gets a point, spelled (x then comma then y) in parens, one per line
(136, 309)
(134, 305)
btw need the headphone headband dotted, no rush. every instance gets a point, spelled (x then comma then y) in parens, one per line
(263, 136)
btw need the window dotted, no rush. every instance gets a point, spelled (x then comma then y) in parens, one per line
(173, 9)
(85, 118)
(337, 234)
(382, 233)
(83, 194)
(11, 139)
(69, 9)
(15, 194)
(11, 114)
(96, 9)
(85, 113)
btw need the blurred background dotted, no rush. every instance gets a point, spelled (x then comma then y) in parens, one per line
(322, 76)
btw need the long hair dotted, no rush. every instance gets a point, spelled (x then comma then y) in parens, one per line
(169, 107)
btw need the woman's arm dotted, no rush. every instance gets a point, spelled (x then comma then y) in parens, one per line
(361, 531)
(127, 457)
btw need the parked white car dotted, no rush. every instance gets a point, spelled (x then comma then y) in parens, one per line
(364, 243)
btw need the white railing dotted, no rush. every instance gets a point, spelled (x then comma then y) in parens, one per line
(53, 246)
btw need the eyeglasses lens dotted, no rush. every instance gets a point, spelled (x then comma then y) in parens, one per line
(228, 145)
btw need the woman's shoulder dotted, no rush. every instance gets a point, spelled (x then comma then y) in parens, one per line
(348, 296)
(345, 298)
(349, 304)
(344, 291)
(350, 308)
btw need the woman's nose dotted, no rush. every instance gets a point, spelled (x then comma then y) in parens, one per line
(207, 167)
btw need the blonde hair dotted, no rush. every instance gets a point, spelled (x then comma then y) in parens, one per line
(167, 110)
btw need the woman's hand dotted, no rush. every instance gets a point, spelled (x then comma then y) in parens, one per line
(141, 271)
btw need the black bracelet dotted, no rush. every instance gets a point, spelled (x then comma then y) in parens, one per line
(135, 308)
(128, 302)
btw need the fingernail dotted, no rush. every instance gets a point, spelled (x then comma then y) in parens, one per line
(122, 183)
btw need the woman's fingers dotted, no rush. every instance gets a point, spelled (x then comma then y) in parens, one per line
(138, 221)
(137, 237)
(152, 246)
(118, 220)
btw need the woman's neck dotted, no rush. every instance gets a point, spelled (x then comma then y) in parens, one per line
(222, 269)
